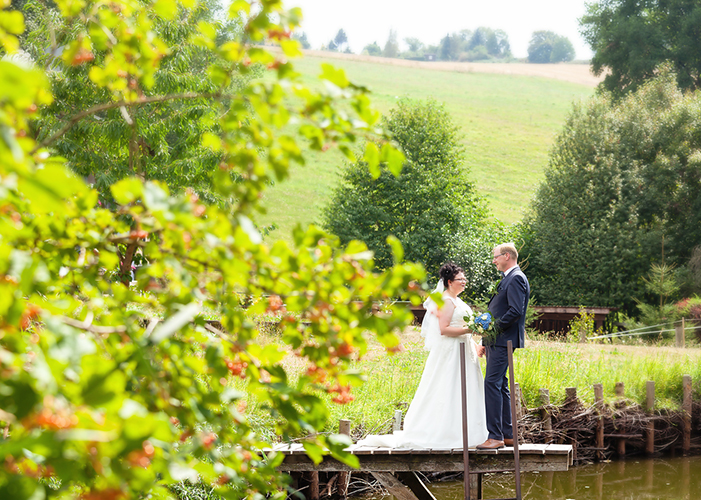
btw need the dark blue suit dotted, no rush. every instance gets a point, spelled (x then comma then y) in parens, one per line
(508, 307)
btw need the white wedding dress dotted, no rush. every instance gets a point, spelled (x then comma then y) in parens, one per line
(434, 418)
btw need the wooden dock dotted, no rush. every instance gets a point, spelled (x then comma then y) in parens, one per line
(388, 465)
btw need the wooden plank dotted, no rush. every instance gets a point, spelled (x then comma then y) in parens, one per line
(558, 449)
(533, 449)
(394, 486)
(360, 450)
(479, 463)
(381, 451)
(487, 452)
(416, 485)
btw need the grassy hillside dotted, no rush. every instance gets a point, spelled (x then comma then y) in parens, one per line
(509, 124)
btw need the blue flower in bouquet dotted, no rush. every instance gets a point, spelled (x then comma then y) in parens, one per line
(482, 324)
(484, 320)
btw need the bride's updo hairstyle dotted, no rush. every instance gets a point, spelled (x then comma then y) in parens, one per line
(448, 272)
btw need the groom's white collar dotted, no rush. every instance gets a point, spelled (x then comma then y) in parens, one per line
(506, 273)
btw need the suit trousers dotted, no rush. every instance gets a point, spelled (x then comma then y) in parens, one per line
(496, 394)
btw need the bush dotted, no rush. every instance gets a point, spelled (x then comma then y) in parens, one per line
(620, 194)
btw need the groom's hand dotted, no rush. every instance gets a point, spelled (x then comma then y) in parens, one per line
(481, 350)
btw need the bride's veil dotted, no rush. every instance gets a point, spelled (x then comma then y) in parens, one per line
(430, 328)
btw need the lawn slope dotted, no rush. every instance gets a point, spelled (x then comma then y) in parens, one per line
(509, 123)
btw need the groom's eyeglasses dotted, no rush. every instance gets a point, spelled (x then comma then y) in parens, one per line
(497, 256)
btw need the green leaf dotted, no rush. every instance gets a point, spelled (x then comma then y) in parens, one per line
(372, 157)
(397, 249)
(239, 6)
(49, 187)
(394, 158)
(291, 48)
(167, 9)
(12, 21)
(314, 451)
(333, 75)
(127, 190)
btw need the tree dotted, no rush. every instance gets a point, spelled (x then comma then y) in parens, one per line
(563, 50)
(415, 45)
(301, 37)
(483, 43)
(391, 46)
(115, 391)
(621, 185)
(425, 208)
(372, 49)
(549, 47)
(341, 40)
(631, 39)
(450, 48)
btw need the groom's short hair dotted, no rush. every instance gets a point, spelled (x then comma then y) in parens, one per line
(509, 248)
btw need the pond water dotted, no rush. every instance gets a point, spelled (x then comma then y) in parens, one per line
(631, 479)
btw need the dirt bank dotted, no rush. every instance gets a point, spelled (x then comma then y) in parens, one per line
(575, 73)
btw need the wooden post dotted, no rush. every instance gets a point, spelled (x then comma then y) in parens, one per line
(397, 423)
(686, 411)
(514, 421)
(599, 401)
(343, 476)
(620, 389)
(314, 485)
(394, 486)
(517, 397)
(465, 439)
(571, 399)
(417, 487)
(679, 334)
(570, 394)
(582, 336)
(621, 442)
(649, 407)
(544, 413)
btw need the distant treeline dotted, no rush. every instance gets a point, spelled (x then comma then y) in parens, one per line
(482, 44)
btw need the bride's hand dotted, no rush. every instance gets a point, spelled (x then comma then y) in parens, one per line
(480, 350)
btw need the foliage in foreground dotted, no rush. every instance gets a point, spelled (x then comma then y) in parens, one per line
(620, 194)
(100, 401)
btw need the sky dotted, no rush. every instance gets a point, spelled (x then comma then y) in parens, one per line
(367, 21)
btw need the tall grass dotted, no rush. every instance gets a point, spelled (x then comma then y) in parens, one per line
(558, 366)
(391, 380)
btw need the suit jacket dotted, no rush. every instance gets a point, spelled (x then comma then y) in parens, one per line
(508, 307)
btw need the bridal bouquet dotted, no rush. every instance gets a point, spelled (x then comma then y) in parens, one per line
(482, 324)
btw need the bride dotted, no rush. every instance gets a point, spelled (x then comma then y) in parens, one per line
(434, 418)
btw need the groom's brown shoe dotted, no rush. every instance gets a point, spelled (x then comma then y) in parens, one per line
(491, 444)
(508, 442)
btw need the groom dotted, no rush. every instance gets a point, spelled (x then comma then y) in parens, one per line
(508, 307)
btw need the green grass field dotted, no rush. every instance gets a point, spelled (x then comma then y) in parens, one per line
(509, 124)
